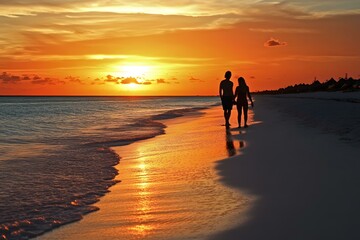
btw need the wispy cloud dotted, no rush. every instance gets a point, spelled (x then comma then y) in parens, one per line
(317, 59)
(59, 22)
(174, 7)
(282, 30)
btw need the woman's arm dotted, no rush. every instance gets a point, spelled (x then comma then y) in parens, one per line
(236, 94)
(249, 95)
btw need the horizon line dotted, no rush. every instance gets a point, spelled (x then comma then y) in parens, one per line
(108, 95)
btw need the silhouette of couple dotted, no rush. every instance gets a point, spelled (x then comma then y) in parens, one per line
(228, 98)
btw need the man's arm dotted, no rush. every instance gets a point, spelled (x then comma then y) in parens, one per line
(220, 92)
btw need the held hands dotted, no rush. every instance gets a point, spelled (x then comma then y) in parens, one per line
(252, 104)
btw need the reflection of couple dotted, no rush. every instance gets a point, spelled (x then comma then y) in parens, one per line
(240, 98)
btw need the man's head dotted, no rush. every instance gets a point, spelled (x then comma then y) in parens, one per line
(228, 75)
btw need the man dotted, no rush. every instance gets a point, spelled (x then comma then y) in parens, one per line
(227, 96)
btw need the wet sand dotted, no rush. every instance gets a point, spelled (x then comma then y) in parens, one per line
(169, 186)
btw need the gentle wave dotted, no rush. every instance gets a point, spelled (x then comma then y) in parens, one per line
(177, 113)
(59, 186)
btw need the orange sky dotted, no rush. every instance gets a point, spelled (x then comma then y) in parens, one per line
(157, 47)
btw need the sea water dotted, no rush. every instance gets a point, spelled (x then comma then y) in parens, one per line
(55, 156)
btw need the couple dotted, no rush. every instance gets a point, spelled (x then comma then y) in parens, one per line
(240, 98)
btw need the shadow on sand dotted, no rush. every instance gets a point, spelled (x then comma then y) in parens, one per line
(306, 185)
(230, 137)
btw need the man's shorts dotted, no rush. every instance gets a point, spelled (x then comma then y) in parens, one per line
(227, 102)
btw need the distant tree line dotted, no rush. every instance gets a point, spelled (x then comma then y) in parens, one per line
(343, 84)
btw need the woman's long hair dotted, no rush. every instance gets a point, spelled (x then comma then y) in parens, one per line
(242, 83)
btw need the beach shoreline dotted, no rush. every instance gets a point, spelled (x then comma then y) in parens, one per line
(294, 179)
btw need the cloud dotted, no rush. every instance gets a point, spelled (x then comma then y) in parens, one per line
(8, 78)
(161, 80)
(129, 80)
(97, 81)
(74, 79)
(110, 78)
(119, 80)
(274, 43)
(47, 80)
(193, 79)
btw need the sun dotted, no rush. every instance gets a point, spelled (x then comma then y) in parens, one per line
(135, 71)
(133, 86)
(136, 77)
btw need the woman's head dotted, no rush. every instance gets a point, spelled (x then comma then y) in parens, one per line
(241, 81)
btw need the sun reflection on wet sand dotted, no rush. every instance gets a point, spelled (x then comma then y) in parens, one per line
(144, 203)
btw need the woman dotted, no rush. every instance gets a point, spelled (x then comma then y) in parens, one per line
(241, 93)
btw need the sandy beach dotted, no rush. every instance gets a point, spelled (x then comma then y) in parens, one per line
(282, 178)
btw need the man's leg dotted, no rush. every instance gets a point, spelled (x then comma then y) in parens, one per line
(229, 114)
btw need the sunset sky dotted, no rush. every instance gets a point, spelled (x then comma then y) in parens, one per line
(157, 47)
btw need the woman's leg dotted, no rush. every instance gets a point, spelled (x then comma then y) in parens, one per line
(239, 109)
(245, 114)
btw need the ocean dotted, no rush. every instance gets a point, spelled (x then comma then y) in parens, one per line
(55, 155)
